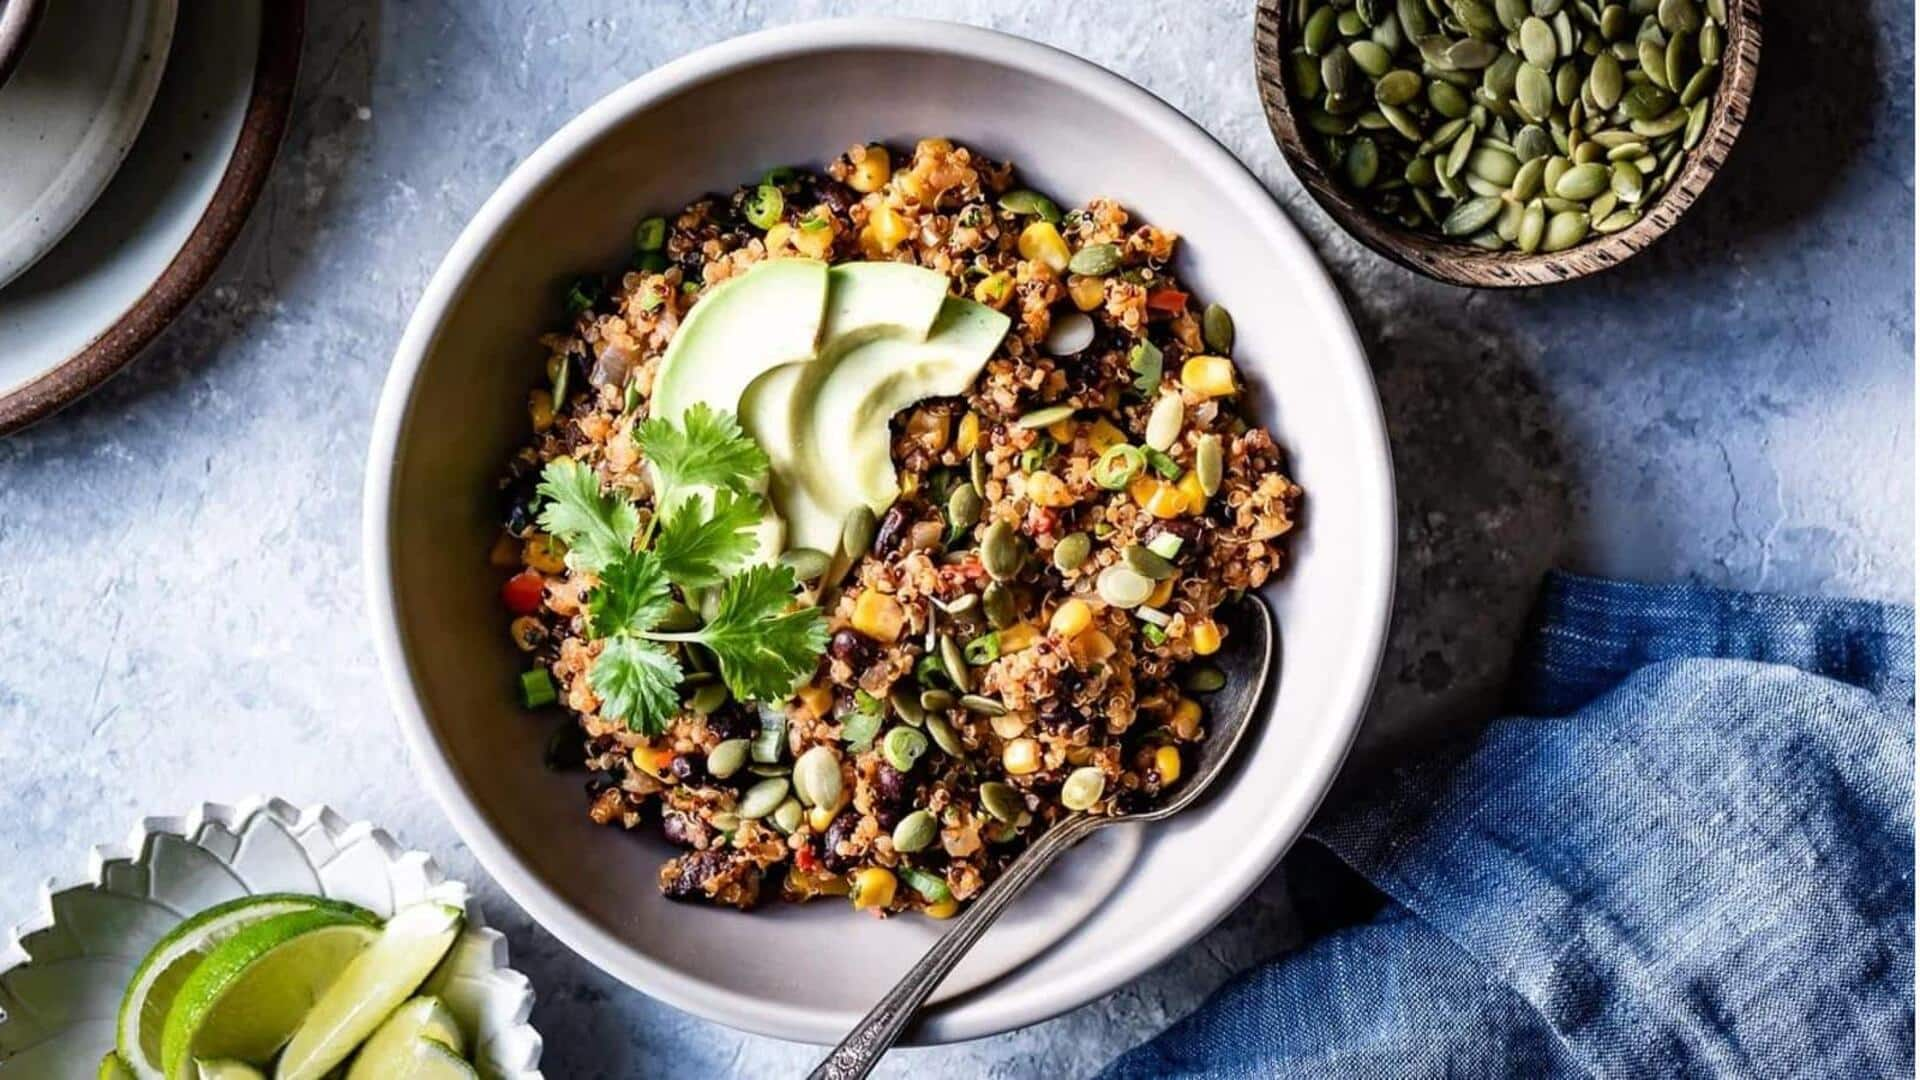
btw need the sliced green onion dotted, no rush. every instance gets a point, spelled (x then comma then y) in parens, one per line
(1153, 634)
(651, 235)
(764, 207)
(1118, 465)
(582, 295)
(1153, 615)
(982, 650)
(537, 689)
(932, 888)
(926, 670)
(653, 262)
(1166, 545)
(781, 175)
(1163, 464)
(632, 401)
(772, 738)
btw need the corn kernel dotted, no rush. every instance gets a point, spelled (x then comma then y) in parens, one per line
(1103, 436)
(1046, 489)
(1186, 719)
(879, 616)
(888, 228)
(1018, 637)
(540, 410)
(873, 887)
(1062, 431)
(1087, 293)
(1071, 618)
(1166, 762)
(805, 886)
(1206, 637)
(545, 554)
(1208, 376)
(1011, 726)
(778, 236)
(1191, 493)
(994, 289)
(968, 436)
(505, 554)
(652, 762)
(1092, 647)
(813, 243)
(1162, 592)
(1157, 497)
(942, 909)
(822, 816)
(1022, 756)
(871, 169)
(1041, 242)
(816, 698)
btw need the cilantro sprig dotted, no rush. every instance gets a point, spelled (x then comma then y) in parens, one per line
(764, 641)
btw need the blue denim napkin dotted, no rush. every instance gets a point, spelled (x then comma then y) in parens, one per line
(1688, 853)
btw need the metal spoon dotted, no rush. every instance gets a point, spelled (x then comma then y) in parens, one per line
(1246, 663)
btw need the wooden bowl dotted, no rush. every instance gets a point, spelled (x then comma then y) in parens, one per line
(17, 20)
(1463, 264)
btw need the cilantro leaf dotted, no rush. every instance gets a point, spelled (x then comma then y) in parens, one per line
(597, 528)
(632, 595)
(706, 447)
(764, 644)
(698, 549)
(636, 681)
(1148, 366)
(858, 728)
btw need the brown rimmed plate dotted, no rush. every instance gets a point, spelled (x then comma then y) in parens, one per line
(160, 230)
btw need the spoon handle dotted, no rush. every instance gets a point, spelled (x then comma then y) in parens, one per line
(863, 1047)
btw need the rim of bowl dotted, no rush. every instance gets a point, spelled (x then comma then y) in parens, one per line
(17, 20)
(1455, 262)
(981, 1012)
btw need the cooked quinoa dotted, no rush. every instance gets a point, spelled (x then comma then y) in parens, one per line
(1073, 685)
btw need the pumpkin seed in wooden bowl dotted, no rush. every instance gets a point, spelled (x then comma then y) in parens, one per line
(1502, 143)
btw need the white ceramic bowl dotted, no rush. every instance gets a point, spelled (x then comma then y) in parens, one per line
(454, 409)
(62, 973)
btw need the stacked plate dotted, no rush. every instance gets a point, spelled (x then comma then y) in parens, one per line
(137, 134)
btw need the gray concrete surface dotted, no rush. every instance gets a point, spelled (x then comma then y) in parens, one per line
(180, 614)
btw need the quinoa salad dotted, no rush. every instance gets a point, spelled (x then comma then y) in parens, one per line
(1020, 634)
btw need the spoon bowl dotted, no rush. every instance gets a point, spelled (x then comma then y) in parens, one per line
(1247, 663)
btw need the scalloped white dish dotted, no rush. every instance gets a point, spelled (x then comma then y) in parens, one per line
(62, 972)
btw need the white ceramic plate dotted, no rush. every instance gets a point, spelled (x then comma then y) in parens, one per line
(61, 974)
(69, 114)
(454, 409)
(159, 231)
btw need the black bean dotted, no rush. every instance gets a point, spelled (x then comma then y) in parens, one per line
(601, 780)
(891, 786)
(688, 768)
(685, 878)
(852, 648)
(520, 503)
(732, 721)
(680, 829)
(837, 196)
(838, 833)
(893, 529)
(566, 747)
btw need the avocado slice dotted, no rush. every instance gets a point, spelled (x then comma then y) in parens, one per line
(847, 457)
(866, 302)
(769, 316)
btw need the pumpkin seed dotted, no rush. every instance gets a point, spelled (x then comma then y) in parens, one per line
(934, 701)
(1537, 43)
(1350, 24)
(1083, 788)
(1072, 551)
(763, 798)
(1207, 464)
(727, 757)
(1371, 57)
(963, 506)
(1626, 181)
(856, 536)
(1447, 100)
(1679, 60)
(1532, 143)
(1527, 181)
(1413, 17)
(1471, 216)
(1204, 680)
(1361, 163)
(1533, 91)
(1095, 260)
(945, 737)
(1000, 551)
(1564, 230)
(708, 698)
(1045, 417)
(1317, 34)
(1457, 156)
(787, 816)
(1030, 204)
(1699, 85)
(816, 777)
(1003, 801)
(1582, 182)
(915, 832)
(1123, 587)
(954, 663)
(1000, 606)
(1163, 425)
(1653, 62)
(1492, 165)
(1533, 225)
(1339, 74)
(1511, 12)
(1216, 329)
(977, 470)
(985, 706)
(908, 707)
(1665, 124)
(1696, 125)
(1472, 54)
(1397, 87)
(1679, 16)
(1713, 43)
(902, 747)
(1148, 563)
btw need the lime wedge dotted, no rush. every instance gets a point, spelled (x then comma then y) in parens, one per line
(385, 1053)
(144, 1005)
(370, 989)
(430, 1059)
(252, 990)
(227, 1069)
(112, 1068)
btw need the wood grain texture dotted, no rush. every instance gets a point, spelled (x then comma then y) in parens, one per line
(1464, 264)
